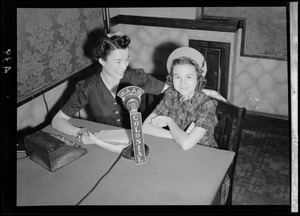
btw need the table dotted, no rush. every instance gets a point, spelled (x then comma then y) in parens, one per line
(170, 176)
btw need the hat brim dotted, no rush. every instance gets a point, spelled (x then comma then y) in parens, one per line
(187, 52)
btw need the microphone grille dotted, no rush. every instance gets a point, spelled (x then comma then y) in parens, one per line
(132, 104)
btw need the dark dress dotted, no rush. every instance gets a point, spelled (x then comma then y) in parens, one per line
(104, 107)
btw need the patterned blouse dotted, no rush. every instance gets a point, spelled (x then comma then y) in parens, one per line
(200, 109)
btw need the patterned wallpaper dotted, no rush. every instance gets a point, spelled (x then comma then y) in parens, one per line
(262, 85)
(265, 32)
(50, 45)
(254, 83)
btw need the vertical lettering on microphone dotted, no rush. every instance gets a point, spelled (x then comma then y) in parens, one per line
(137, 138)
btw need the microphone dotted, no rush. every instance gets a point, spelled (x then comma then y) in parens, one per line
(131, 98)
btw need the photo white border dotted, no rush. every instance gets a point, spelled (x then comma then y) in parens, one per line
(294, 101)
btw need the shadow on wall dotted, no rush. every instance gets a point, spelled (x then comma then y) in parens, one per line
(61, 101)
(160, 57)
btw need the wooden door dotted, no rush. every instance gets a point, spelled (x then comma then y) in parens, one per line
(217, 56)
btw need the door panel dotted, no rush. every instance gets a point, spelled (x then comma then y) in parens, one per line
(217, 56)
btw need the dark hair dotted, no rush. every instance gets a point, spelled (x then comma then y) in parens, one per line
(98, 45)
(104, 46)
(187, 61)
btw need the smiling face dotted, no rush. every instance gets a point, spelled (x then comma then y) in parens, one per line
(116, 63)
(185, 79)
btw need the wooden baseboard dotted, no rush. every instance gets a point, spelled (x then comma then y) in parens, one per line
(267, 123)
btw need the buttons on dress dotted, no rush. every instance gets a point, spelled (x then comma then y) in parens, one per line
(117, 113)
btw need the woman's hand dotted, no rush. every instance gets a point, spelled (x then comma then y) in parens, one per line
(214, 94)
(160, 121)
(89, 138)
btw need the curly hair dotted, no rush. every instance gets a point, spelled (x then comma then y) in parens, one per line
(98, 45)
(201, 81)
(104, 45)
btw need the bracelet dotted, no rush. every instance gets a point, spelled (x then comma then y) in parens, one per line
(80, 133)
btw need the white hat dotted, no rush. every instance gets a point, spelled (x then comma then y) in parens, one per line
(187, 52)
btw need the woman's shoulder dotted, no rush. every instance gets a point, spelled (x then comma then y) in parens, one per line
(134, 72)
(84, 84)
(134, 75)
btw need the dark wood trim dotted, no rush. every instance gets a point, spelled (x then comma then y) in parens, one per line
(210, 24)
(267, 123)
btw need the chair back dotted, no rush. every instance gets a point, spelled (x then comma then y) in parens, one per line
(228, 134)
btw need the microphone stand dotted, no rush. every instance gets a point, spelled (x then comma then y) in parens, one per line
(128, 152)
(131, 97)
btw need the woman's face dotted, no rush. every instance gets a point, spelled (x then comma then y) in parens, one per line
(116, 63)
(185, 79)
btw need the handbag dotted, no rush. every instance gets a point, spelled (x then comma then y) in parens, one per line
(50, 152)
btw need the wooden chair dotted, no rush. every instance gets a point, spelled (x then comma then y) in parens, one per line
(228, 134)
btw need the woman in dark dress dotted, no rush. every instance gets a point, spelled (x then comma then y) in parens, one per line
(99, 91)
